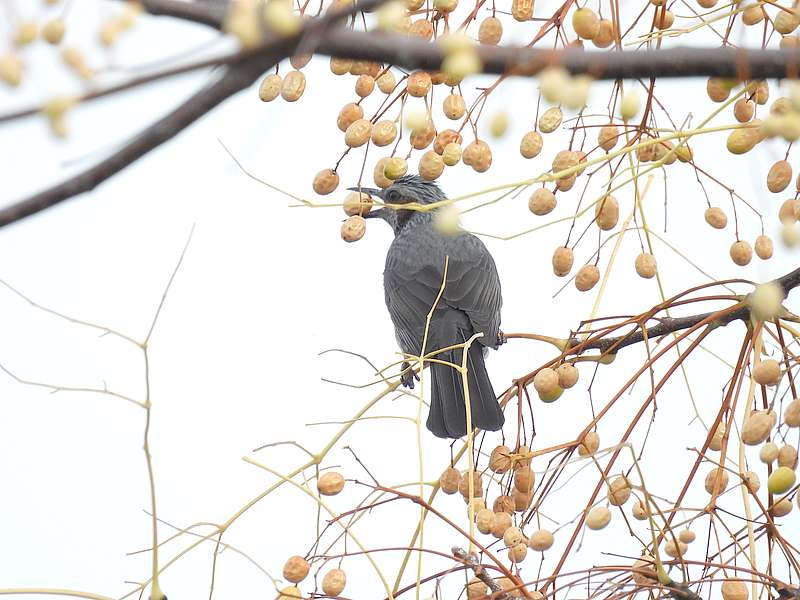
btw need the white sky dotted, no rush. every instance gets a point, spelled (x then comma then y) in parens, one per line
(263, 290)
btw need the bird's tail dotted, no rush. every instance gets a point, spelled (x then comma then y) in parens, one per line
(448, 415)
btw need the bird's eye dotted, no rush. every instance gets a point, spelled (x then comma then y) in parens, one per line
(393, 195)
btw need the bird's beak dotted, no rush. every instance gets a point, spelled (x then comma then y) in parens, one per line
(375, 213)
(371, 191)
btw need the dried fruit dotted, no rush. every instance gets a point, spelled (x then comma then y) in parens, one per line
(358, 133)
(782, 507)
(787, 456)
(293, 86)
(643, 571)
(757, 429)
(598, 518)
(378, 175)
(331, 483)
(340, 66)
(477, 155)
(550, 119)
(587, 277)
(586, 23)
(325, 181)
(270, 87)
(418, 83)
(606, 212)
(687, 536)
(664, 19)
(629, 105)
(752, 15)
(639, 511)
(490, 31)
(477, 484)
(11, 69)
(431, 165)
(743, 110)
(791, 416)
(741, 253)
(716, 439)
(589, 444)
(545, 381)
(384, 133)
(395, 168)
(522, 501)
(289, 592)
(53, 31)
(563, 258)
(357, 203)
(779, 176)
(716, 217)
(605, 34)
(295, 569)
(518, 552)
(531, 144)
(741, 141)
(734, 589)
(454, 106)
(751, 481)
(718, 89)
(387, 82)
(334, 582)
(767, 372)
(619, 490)
(364, 85)
(524, 478)
(512, 536)
(298, 61)
(421, 28)
(522, 10)
(541, 540)
(500, 459)
(422, 138)
(542, 201)
(498, 125)
(608, 137)
(646, 265)
(445, 137)
(675, 550)
(781, 480)
(768, 453)
(567, 375)
(484, 520)
(502, 521)
(476, 589)
(349, 114)
(451, 154)
(764, 247)
(786, 21)
(716, 481)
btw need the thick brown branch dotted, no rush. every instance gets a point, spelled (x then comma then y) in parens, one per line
(210, 12)
(672, 325)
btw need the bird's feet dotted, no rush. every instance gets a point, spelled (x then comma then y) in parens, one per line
(407, 376)
(501, 338)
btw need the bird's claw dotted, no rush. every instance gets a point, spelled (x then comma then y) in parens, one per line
(407, 376)
(501, 338)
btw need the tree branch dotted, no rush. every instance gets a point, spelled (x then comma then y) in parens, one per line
(242, 69)
(672, 325)
(210, 13)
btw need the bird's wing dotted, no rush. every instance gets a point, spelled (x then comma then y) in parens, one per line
(411, 289)
(413, 279)
(473, 286)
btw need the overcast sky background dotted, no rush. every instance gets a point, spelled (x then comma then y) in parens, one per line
(262, 291)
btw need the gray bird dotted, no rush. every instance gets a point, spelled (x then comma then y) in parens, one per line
(470, 304)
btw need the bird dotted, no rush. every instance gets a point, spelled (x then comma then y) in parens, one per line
(470, 303)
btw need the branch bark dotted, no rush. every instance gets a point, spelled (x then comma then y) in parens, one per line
(672, 325)
(243, 69)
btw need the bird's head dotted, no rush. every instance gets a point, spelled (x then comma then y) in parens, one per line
(404, 190)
